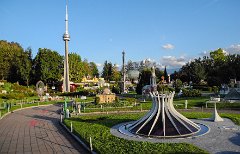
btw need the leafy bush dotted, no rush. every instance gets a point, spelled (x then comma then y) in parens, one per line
(163, 88)
(116, 90)
(225, 105)
(201, 87)
(191, 93)
(97, 100)
(83, 92)
(215, 89)
(16, 91)
(210, 89)
(132, 100)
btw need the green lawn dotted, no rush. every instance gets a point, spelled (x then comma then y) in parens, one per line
(224, 105)
(98, 128)
(198, 115)
(179, 104)
(89, 99)
(192, 102)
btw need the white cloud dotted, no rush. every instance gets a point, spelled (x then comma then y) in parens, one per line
(172, 61)
(204, 53)
(99, 64)
(168, 46)
(233, 49)
(117, 65)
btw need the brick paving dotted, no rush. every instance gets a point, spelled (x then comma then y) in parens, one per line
(36, 130)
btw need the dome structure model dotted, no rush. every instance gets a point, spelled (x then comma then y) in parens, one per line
(106, 91)
(163, 120)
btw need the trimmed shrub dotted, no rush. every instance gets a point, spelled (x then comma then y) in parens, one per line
(191, 93)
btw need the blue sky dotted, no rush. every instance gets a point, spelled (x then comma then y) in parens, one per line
(170, 32)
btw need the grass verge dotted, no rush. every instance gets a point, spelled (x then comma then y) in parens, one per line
(98, 128)
(18, 106)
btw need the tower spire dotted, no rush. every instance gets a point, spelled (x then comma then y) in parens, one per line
(66, 19)
(123, 73)
(66, 38)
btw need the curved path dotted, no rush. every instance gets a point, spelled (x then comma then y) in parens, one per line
(36, 130)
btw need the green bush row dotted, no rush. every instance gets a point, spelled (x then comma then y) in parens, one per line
(191, 93)
(16, 95)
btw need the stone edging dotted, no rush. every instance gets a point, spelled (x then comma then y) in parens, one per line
(77, 138)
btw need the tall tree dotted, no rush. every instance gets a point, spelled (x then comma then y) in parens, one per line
(116, 75)
(129, 66)
(218, 55)
(217, 69)
(93, 69)
(7, 53)
(159, 73)
(26, 66)
(144, 79)
(105, 72)
(48, 66)
(75, 67)
(86, 69)
(165, 74)
(110, 71)
(15, 63)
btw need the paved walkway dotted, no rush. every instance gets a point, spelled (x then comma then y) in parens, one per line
(223, 138)
(36, 130)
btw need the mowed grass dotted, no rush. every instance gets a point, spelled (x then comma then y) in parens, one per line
(98, 128)
(179, 103)
(199, 115)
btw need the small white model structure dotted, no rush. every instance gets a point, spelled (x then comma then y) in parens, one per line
(215, 117)
(163, 120)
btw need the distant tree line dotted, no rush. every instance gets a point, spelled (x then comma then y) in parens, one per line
(110, 72)
(214, 70)
(17, 65)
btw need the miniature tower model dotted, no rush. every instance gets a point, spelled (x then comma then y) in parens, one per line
(153, 81)
(163, 120)
(66, 38)
(215, 117)
(124, 73)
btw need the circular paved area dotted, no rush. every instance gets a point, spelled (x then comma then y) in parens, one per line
(36, 130)
(223, 138)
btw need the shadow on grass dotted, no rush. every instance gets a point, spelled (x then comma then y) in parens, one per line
(103, 120)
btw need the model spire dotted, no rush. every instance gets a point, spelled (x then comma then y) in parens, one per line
(124, 73)
(66, 19)
(66, 38)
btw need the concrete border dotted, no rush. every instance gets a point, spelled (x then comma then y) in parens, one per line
(77, 138)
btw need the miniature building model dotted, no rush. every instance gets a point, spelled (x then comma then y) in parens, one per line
(232, 96)
(153, 84)
(163, 120)
(86, 80)
(106, 96)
